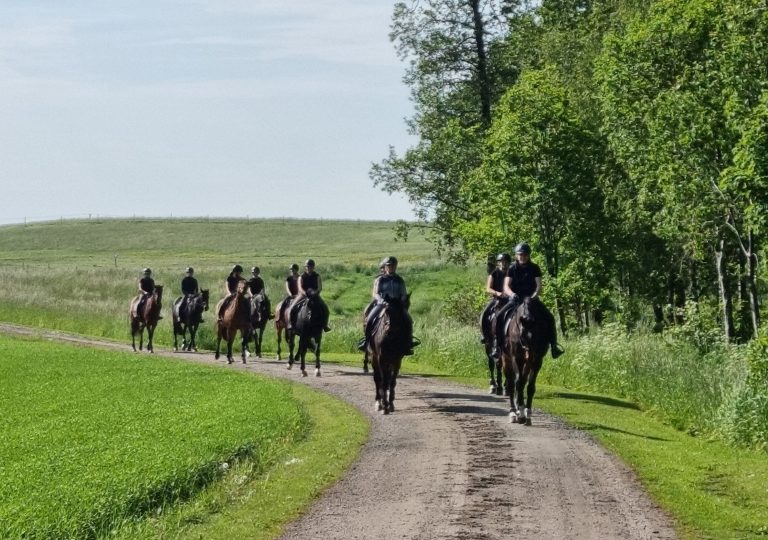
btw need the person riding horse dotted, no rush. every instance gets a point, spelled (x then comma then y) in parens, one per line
(146, 289)
(189, 288)
(309, 283)
(389, 285)
(523, 280)
(233, 279)
(494, 287)
(256, 286)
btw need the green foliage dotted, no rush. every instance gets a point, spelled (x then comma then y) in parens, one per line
(465, 304)
(93, 438)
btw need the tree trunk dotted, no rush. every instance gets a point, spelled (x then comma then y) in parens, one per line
(561, 316)
(754, 302)
(725, 293)
(483, 80)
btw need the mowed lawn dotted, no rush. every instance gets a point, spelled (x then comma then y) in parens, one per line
(92, 438)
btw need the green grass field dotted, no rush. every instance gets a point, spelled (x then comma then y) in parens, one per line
(80, 276)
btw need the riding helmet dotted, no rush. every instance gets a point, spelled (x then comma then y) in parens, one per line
(190, 270)
(255, 270)
(310, 263)
(147, 271)
(237, 268)
(523, 248)
(294, 266)
(389, 261)
(504, 257)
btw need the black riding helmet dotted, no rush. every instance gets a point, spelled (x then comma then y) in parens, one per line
(146, 271)
(190, 270)
(237, 268)
(389, 261)
(255, 270)
(523, 248)
(504, 257)
(294, 266)
(310, 263)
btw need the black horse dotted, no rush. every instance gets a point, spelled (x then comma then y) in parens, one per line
(527, 341)
(309, 329)
(488, 331)
(260, 314)
(188, 319)
(388, 342)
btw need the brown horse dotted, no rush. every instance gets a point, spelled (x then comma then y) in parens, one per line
(386, 348)
(237, 316)
(527, 341)
(146, 317)
(281, 324)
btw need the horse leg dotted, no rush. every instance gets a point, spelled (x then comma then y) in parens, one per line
(191, 346)
(279, 338)
(530, 393)
(499, 386)
(521, 379)
(392, 385)
(150, 334)
(386, 381)
(492, 388)
(230, 339)
(134, 329)
(317, 354)
(244, 347)
(377, 383)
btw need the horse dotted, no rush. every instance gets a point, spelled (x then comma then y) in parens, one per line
(488, 331)
(527, 341)
(260, 315)
(237, 316)
(147, 318)
(366, 311)
(387, 346)
(309, 328)
(189, 320)
(281, 324)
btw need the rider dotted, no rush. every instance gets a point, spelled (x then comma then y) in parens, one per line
(494, 287)
(256, 286)
(189, 287)
(232, 282)
(308, 282)
(523, 280)
(292, 281)
(389, 285)
(146, 289)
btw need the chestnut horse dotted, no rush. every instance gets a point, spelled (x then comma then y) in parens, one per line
(237, 316)
(281, 324)
(260, 314)
(146, 317)
(386, 347)
(189, 320)
(309, 329)
(527, 341)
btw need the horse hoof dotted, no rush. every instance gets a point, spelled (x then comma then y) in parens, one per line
(377, 405)
(317, 372)
(527, 421)
(303, 373)
(391, 407)
(247, 354)
(492, 389)
(290, 366)
(216, 356)
(512, 417)
(500, 391)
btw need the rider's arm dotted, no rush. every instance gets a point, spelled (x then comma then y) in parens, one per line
(319, 284)
(288, 287)
(538, 287)
(489, 287)
(375, 291)
(301, 287)
(507, 289)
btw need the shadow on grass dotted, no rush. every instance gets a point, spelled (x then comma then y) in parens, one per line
(600, 427)
(613, 402)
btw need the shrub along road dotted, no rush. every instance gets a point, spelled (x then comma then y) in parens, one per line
(448, 464)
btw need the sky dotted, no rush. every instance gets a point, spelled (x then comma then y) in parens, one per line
(234, 108)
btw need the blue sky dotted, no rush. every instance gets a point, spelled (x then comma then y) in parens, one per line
(198, 108)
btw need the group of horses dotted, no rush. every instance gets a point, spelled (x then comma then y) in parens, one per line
(525, 342)
(249, 315)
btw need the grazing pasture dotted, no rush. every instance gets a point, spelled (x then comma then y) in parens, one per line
(92, 438)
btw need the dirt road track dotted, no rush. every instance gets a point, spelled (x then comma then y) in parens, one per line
(448, 465)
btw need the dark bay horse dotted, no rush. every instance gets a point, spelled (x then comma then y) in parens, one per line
(488, 331)
(309, 329)
(188, 319)
(281, 325)
(146, 317)
(527, 341)
(260, 314)
(236, 317)
(386, 347)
